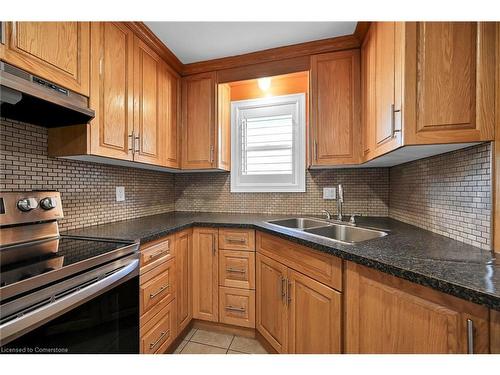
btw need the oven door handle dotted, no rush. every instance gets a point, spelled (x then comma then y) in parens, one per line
(25, 323)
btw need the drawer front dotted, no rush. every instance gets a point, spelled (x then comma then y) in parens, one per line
(324, 268)
(160, 331)
(237, 269)
(160, 287)
(237, 307)
(156, 252)
(237, 239)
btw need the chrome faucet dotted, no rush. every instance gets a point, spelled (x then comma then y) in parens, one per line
(340, 201)
(328, 214)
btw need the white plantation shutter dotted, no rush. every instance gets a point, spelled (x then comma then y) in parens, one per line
(268, 144)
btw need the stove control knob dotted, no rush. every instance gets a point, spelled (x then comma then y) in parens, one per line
(48, 203)
(27, 204)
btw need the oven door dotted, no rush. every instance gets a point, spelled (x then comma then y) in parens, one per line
(97, 312)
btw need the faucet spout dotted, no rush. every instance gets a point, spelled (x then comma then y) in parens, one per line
(340, 201)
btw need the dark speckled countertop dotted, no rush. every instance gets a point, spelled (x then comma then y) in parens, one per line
(408, 252)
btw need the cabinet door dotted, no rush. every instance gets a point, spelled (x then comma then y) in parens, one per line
(335, 115)
(452, 67)
(368, 113)
(315, 315)
(184, 278)
(56, 51)
(112, 90)
(198, 121)
(205, 274)
(147, 130)
(271, 302)
(385, 314)
(224, 127)
(387, 87)
(169, 115)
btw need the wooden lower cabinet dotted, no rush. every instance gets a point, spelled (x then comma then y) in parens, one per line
(271, 302)
(295, 313)
(184, 264)
(237, 307)
(237, 269)
(385, 314)
(205, 274)
(160, 331)
(314, 322)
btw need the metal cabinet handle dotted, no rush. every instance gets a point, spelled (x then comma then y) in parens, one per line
(131, 142)
(162, 288)
(213, 245)
(158, 253)
(237, 309)
(283, 289)
(393, 121)
(316, 150)
(470, 336)
(236, 240)
(211, 153)
(288, 293)
(234, 270)
(153, 344)
(137, 143)
(2, 32)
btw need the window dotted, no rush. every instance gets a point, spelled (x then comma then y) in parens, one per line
(268, 144)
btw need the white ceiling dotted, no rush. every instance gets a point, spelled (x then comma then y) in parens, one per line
(199, 41)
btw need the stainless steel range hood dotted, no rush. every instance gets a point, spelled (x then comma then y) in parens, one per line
(28, 98)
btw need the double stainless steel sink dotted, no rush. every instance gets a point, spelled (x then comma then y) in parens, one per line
(332, 230)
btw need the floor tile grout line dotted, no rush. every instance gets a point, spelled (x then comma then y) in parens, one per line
(231, 343)
(200, 343)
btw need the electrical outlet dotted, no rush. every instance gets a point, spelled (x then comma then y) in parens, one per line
(329, 193)
(120, 193)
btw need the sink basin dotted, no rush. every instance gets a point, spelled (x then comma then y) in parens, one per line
(347, 234)
(299, 223)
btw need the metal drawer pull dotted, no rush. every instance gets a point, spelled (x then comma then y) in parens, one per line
(238, 309)
(159, 253)
(153, 344)
(235, 270)
(470, 336)
(236, 240)
(393, 121)
(164, 287)
(131, 139)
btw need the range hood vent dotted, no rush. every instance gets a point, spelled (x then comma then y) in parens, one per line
(28, 98)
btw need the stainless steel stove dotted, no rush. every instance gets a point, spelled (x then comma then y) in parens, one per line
(63, 294)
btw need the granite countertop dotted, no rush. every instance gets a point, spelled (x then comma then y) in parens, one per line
(408, 252)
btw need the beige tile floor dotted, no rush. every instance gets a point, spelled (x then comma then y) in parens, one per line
(201, 341)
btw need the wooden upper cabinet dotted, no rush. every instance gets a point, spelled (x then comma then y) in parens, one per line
(368, 113)
(451, 66)
(148, 132)
(56, 51)
(206, 123)
(198, 120)
(112, 89)
(205, 274)
(335, 108)
(385, 314)
(170, 115)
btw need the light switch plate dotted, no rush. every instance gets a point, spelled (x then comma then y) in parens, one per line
(120, 193)
(329, 193)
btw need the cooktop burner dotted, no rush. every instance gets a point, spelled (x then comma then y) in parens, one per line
(30, 261)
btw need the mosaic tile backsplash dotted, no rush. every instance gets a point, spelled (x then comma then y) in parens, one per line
(448, 194)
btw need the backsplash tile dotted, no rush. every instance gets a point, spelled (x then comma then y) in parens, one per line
(366, 191)
(449, 194)
(87, 189)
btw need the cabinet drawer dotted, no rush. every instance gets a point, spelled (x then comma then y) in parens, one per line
(324, 268)
(157, 285)
(237, 239)
(237, 269)
(156, 252)
(159, 332)
(237, 307)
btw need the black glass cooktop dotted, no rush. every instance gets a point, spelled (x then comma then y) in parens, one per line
(26, 261)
